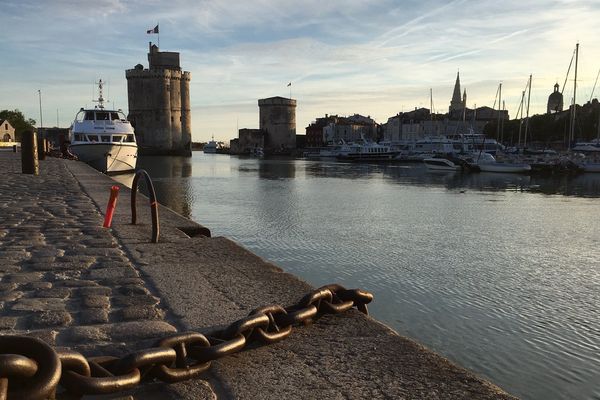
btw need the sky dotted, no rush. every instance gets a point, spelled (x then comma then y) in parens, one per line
(371, 57)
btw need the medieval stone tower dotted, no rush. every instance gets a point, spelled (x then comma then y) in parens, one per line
(277, 117)
(159, 104)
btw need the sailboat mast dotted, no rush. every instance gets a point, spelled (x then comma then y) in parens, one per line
(498, 119)
(572, 131)
(521, 118)
(527, 116)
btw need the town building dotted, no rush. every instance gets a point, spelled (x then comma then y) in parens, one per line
(334, 129)
(7, 132)
(555, 101)
(159, 104)
(248, 141)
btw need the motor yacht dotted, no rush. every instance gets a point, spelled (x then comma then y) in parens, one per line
(103, 138)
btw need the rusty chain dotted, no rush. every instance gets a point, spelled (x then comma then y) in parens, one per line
(31, 369)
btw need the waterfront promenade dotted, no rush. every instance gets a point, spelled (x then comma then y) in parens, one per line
(70, 282)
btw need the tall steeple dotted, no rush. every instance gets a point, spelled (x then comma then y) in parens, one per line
(456, 102)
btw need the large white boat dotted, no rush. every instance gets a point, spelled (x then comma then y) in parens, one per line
(365, 150)
(210, 147)
(103, 138)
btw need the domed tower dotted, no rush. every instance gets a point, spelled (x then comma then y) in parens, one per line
(278, 120)
(555, 101)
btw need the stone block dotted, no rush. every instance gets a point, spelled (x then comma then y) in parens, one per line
(82, 334)
(10, 296)
(111, 273)
(135, 330)
(35, 304)
(139, 312)
(95, 301)
(36, 285)
(22, 277)
(47, 319)
(132, 290)
(57, 292)
(140, 300)
(93, 316)
(94, 291)
(8, 323)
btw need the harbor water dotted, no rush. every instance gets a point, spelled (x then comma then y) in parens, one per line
(499, 273)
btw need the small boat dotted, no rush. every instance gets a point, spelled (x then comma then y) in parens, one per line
(487, 163)
(444, 162)
(103, 138)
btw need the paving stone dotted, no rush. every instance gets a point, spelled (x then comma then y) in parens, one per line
(139, 312)
(79, 334)
(76, 283)
(130, 331)
(6, 287)
(10, 296)
(23, 277)
(93, 316)
(121, 281)
(94, 291)
(35, 304)
(130, 290)
(95, 301)
(7, 323)
(125, 301)
(58, 292)
(8, 269)
(36, 285)
(47, 319)
(46, 335)
(111, 273)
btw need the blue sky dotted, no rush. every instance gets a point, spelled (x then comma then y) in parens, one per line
(369, 57)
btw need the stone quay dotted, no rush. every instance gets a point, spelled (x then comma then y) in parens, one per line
(72, 283)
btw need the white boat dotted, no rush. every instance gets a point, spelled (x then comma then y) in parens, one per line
(487, 163)
(447, 162)
(365, 150)
(103, 138)
(210, 147)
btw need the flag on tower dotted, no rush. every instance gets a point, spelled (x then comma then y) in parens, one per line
(289, 84)
(155, 30)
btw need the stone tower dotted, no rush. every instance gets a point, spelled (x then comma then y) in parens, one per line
(159, 104)
(278, 120)
(456, 104)
(555, 100)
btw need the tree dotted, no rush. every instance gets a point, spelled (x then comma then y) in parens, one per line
(18, 121)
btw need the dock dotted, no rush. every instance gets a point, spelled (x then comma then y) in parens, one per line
(73, 284)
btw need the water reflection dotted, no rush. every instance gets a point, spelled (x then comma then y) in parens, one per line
(170, 176)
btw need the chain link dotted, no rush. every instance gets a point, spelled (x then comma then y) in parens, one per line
(30, 369)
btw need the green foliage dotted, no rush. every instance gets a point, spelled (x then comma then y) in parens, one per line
(18, 121)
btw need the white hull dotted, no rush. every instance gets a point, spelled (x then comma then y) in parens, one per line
(504, 168)
(441, 164)
(107, 157)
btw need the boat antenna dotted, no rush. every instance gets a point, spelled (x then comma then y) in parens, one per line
(100, 100)
(527, 116)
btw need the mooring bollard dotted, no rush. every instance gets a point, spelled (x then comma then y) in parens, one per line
(29, 156)
(112, 204)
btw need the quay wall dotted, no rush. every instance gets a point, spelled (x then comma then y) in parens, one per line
(109, 291)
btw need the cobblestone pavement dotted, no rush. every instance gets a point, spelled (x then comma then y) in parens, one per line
(64, 278)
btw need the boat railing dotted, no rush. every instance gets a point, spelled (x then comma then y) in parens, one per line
(153, 202)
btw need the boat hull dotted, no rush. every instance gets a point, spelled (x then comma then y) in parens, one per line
(107, 157)
(504, 168)
(441, 164)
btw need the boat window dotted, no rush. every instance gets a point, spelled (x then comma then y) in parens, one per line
(129, 138)
(105, 138)
(101, 116)
(89, 116)
(92, 138)
(114, 116)
(78, 137)
(117, 138)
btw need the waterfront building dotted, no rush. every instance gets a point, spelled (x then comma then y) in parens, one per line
(350, 129)
(555, 101)
(7, 132)
(159, 104)
(248, 141)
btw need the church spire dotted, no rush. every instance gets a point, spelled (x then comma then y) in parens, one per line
(456, 102)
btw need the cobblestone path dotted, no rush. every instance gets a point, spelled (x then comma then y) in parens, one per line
(64, 278)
